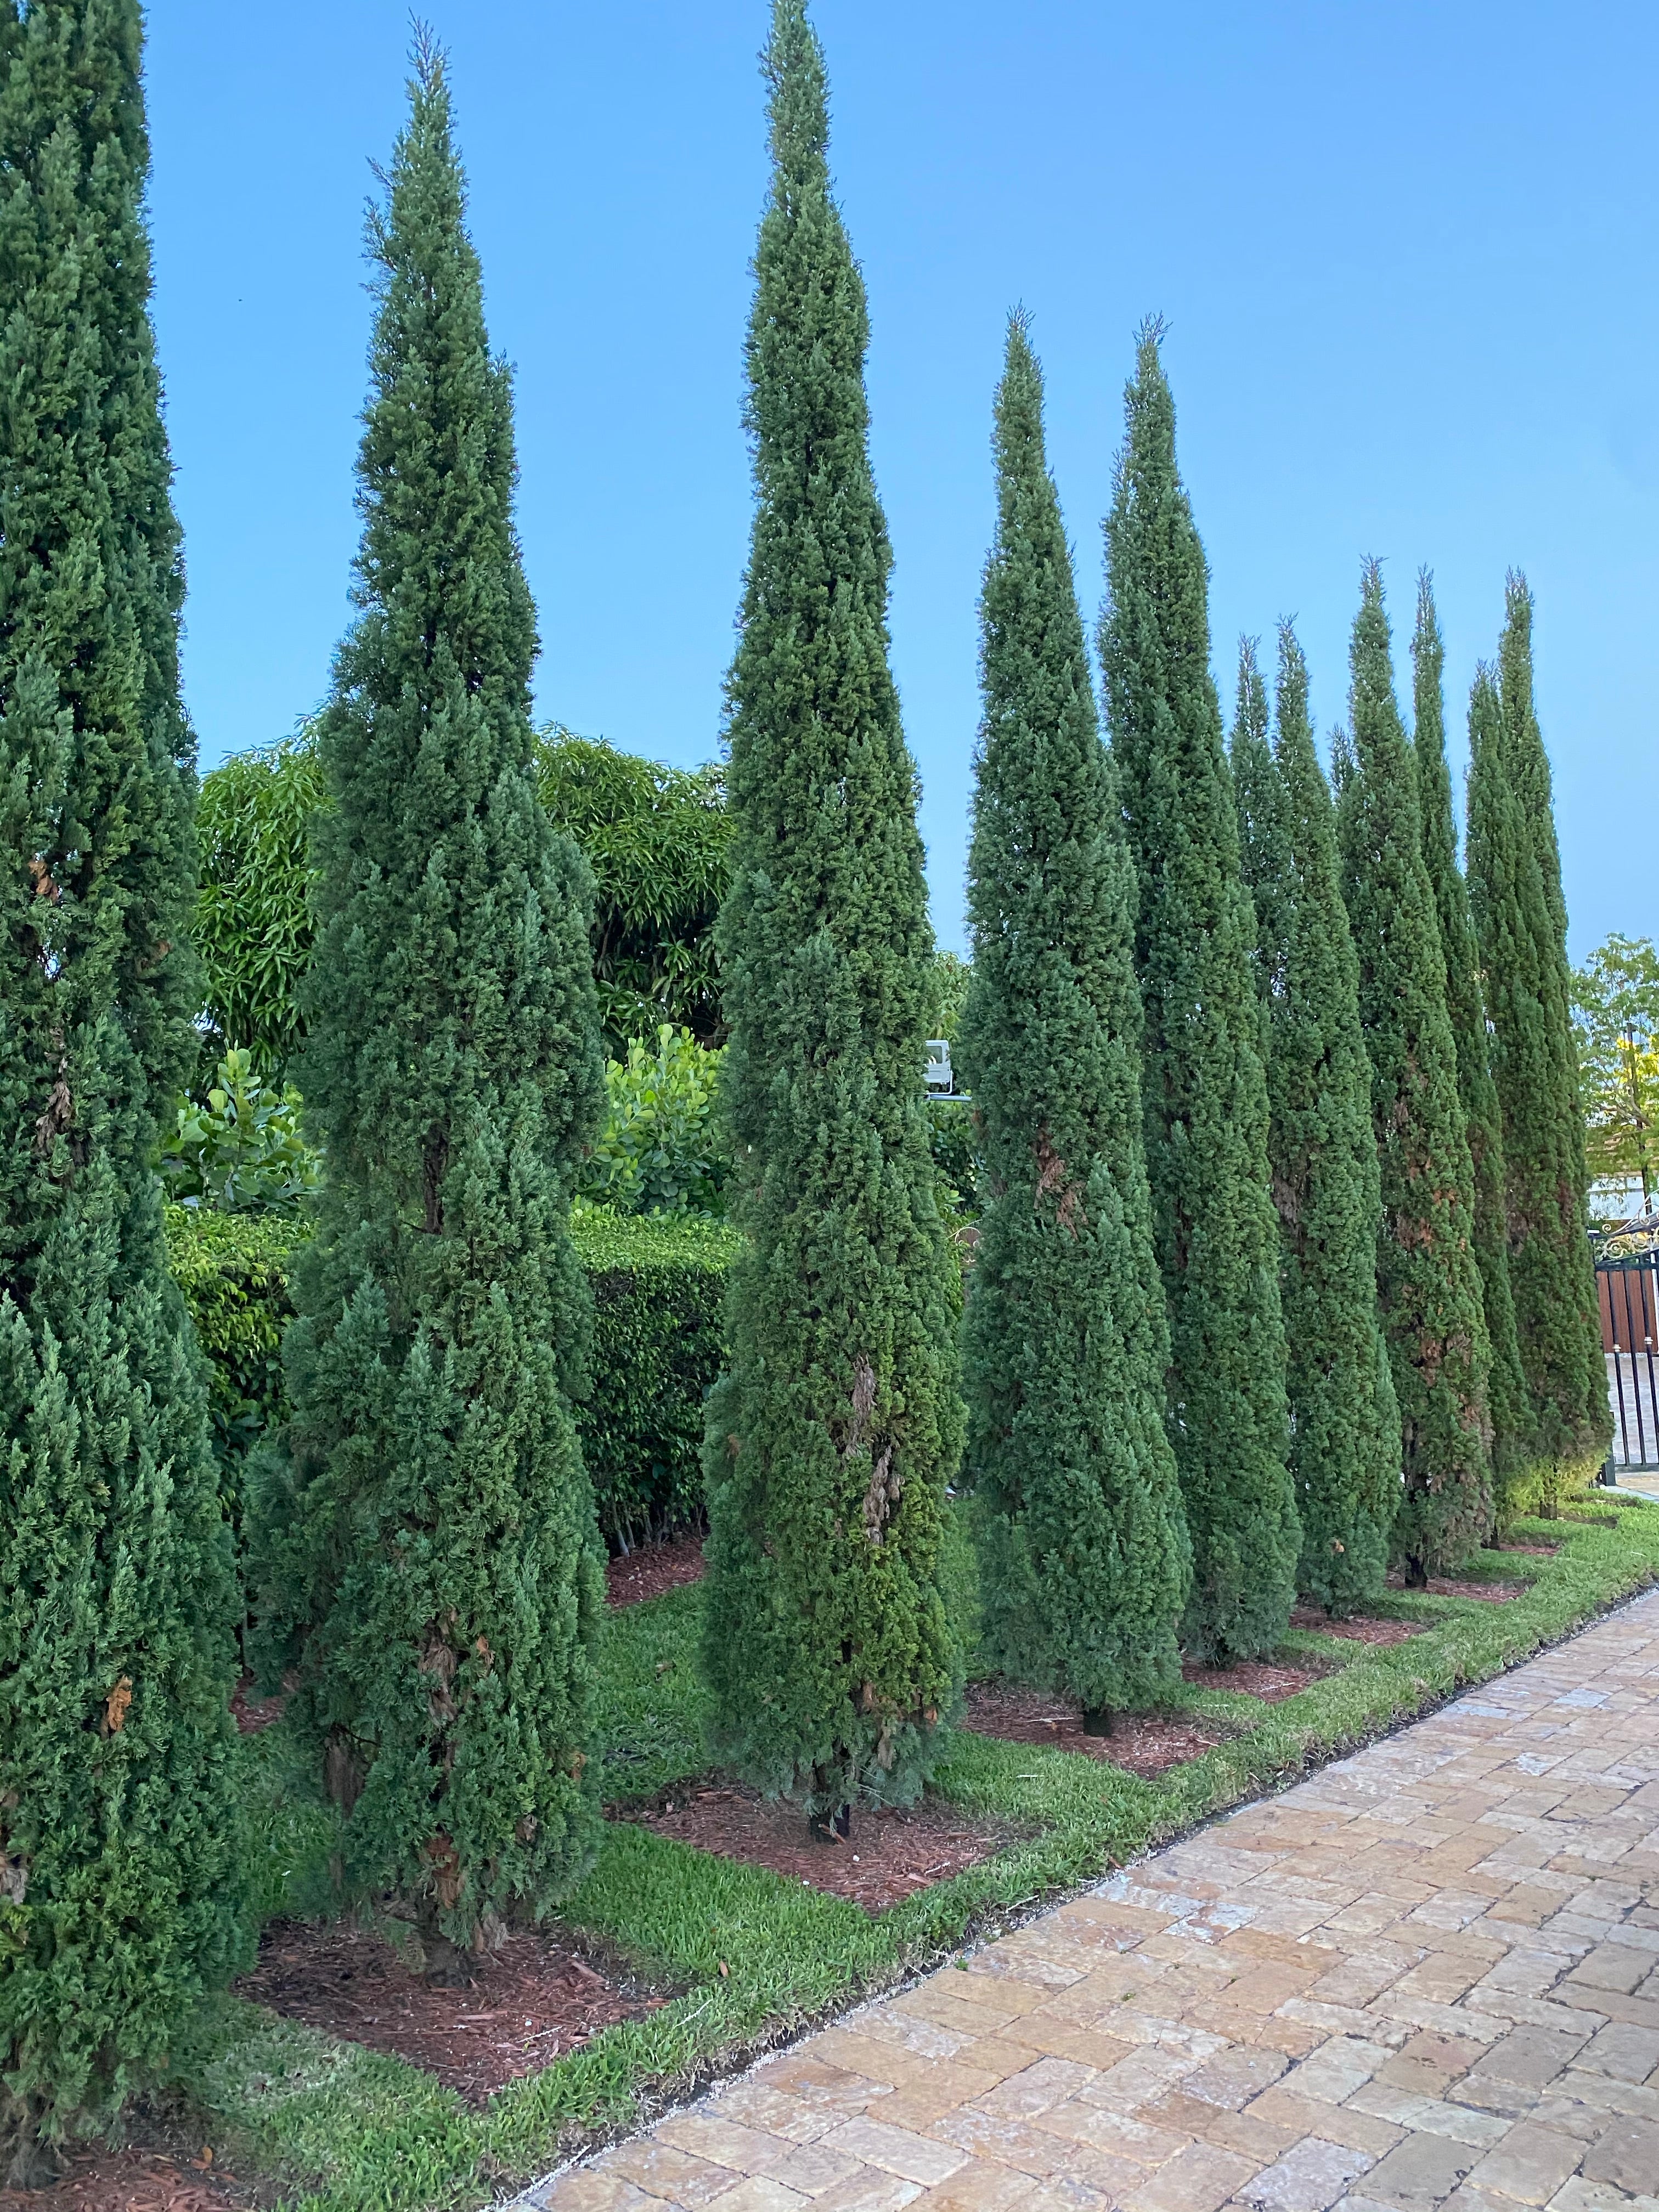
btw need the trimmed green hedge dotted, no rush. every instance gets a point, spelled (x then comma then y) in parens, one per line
(656, 1294)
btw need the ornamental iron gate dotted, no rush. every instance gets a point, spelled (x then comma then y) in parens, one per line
(1627, 1288)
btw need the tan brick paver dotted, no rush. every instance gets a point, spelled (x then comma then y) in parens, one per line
(1424, 1980)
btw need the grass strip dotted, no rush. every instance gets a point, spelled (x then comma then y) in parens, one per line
(757, 1957)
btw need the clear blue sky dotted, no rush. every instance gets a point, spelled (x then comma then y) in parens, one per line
(1407, 255)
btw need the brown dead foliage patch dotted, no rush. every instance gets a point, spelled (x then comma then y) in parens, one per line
(1146, 1744)
(530, 2002)
(652, 1569)
(1361, 1629)
(889, 1856)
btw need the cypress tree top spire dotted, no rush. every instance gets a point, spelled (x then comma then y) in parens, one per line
(1083, 1543)
(832, 1435)
(1204, 1090)
(431, 1547)
(117, 1773)
(1428, 1282)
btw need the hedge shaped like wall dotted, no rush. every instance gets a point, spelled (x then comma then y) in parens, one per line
(657, 1296)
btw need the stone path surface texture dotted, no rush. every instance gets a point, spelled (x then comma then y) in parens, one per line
(1427, 1977)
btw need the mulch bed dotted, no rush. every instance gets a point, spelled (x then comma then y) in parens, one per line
(124, 2181)
(1448, 1586)
(1533, 1551)
(1360, 1630)
(889, 1856)
(535, 1999)
(252, 1712)
(1271, 1681)
(654, 1568)
(1145, 1743)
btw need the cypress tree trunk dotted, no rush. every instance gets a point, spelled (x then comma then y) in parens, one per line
(1428, 1280)
(1515, 881)
(1082, 1546)
(1511, 1417)
(831, 1437)
(1203, 1086)
(119, 1889)
(1344, 1419)
(431, 1547)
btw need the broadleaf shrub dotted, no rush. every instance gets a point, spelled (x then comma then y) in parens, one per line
(240, 1151)
(657, 1290)
(662, 1149)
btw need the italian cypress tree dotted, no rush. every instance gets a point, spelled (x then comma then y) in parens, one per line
(1428, 1281)
(1515, 881)
(119, 1889)
(1083, 1549)
(1344, 1419)
(430, 1540)
(833, 1433)
(1465, 1007)
(1204, 1089)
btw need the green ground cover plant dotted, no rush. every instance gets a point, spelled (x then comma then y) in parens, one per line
(334, 2128)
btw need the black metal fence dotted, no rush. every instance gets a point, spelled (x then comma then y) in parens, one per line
(1628, 1290)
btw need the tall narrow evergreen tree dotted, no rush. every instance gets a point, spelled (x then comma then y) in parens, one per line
(1512, 1420)
(118, 1886)
(1428, 1280)
(431, 1540)
(1083, 1549)
(1515, 881)
(1344, 1419)
(831, 1436)
(1204, 1092)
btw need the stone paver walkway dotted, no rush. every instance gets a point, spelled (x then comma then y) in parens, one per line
(1427, 1977)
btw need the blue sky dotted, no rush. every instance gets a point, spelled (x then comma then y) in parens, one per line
(1407, 256)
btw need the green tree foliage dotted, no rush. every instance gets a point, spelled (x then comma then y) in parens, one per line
(1084, 1557)
(119, 1895)
(663, 1147)
(253, 923)
(1428, 1279)
(833, 1434)
(1344, 1421)
(1615, 999)
(1466, 1009)
(1515, 884)
(241, 1149)
(429, 1542)
(658, 840)
(1203, 1084)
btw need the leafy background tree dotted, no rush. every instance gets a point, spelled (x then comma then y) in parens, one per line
(1083, 1560)
(830, 1658)
(1428, 1281)
(1204, 1088)
(1345, 1449)
(1615, 1001)
(431, 1555)
(120, 1888)
(1466, 1009)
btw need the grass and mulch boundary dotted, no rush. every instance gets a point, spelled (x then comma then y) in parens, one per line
(326, 2126)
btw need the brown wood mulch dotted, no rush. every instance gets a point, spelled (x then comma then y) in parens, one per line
(1146, 1744)
(889, 1856)
(127, 2180)
(652, 1569)
(1272, 1680)
(252, 1712)
(531, 2002)
(1361, 1629)
(1490, 1593)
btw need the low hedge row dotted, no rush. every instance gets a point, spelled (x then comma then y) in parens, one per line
(656, 1294)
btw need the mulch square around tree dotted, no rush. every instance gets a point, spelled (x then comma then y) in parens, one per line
(127, 2180)
(1361, 1629)
(1272, 1680)
(530, 2002)
(1533, 1551)
(652, 1569)
(251, 1711)
(1490, 1593)
(1146, 1744)
(889, 1856)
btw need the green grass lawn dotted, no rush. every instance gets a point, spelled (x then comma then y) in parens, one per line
(343, 2130)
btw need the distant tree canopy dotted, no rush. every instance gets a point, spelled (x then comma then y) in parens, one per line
(1615, 1003)
(655, 837)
